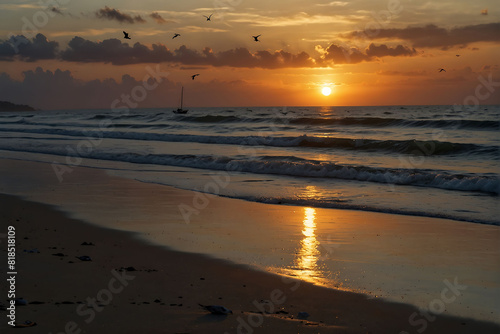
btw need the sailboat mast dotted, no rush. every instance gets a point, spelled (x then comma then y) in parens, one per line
(182, 95)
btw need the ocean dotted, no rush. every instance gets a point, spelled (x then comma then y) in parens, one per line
(432, 161)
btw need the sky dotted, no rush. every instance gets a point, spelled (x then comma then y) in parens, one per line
(69, 54)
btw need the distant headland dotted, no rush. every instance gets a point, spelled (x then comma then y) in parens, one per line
(9, 106)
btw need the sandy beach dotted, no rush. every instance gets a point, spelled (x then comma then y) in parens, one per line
(130, 287)
(134, 285)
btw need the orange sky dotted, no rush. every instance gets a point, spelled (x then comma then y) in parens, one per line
(73, 54)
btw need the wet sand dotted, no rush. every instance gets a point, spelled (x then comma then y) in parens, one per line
(131, 286)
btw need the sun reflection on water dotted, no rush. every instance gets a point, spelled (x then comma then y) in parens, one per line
(306, 263)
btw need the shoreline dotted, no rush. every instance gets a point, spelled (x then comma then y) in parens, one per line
(402, 259)
(168, 277)
(179, 171)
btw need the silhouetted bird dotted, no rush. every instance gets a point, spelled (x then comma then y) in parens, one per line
(256, 38)
(442, 70)
(176, 35)
(194, 76)
(457, 55)
(126, 35)
(209, 17)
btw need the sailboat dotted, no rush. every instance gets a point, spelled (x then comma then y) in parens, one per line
(180, 110)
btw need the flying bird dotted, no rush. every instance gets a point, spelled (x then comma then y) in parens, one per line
(176, 35)
(126, 35)
(194, 76)
(209, 17)
(256, 38)
(217, 309)
(442, 70)
(457, 55)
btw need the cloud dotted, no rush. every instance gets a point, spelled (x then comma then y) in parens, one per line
(298, 19)
(333, 4)
(241, 57)
(157, 17)
(116, 52)
(20, 47)
(404, 73)
(7, 52)
(201, 29)
(19, 6)
(205, 9)
(490, 68)
(59, 89)
(87, 32)
(435, 37)
(384, 51)
(115, 14)
(342, 55)
(351, 55)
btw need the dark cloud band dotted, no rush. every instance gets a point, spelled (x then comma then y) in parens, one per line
(436, 37)
(115, 14)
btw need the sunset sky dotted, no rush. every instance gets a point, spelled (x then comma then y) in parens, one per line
(67, 54)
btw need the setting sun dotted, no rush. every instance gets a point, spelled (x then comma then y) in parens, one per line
(326, 91)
